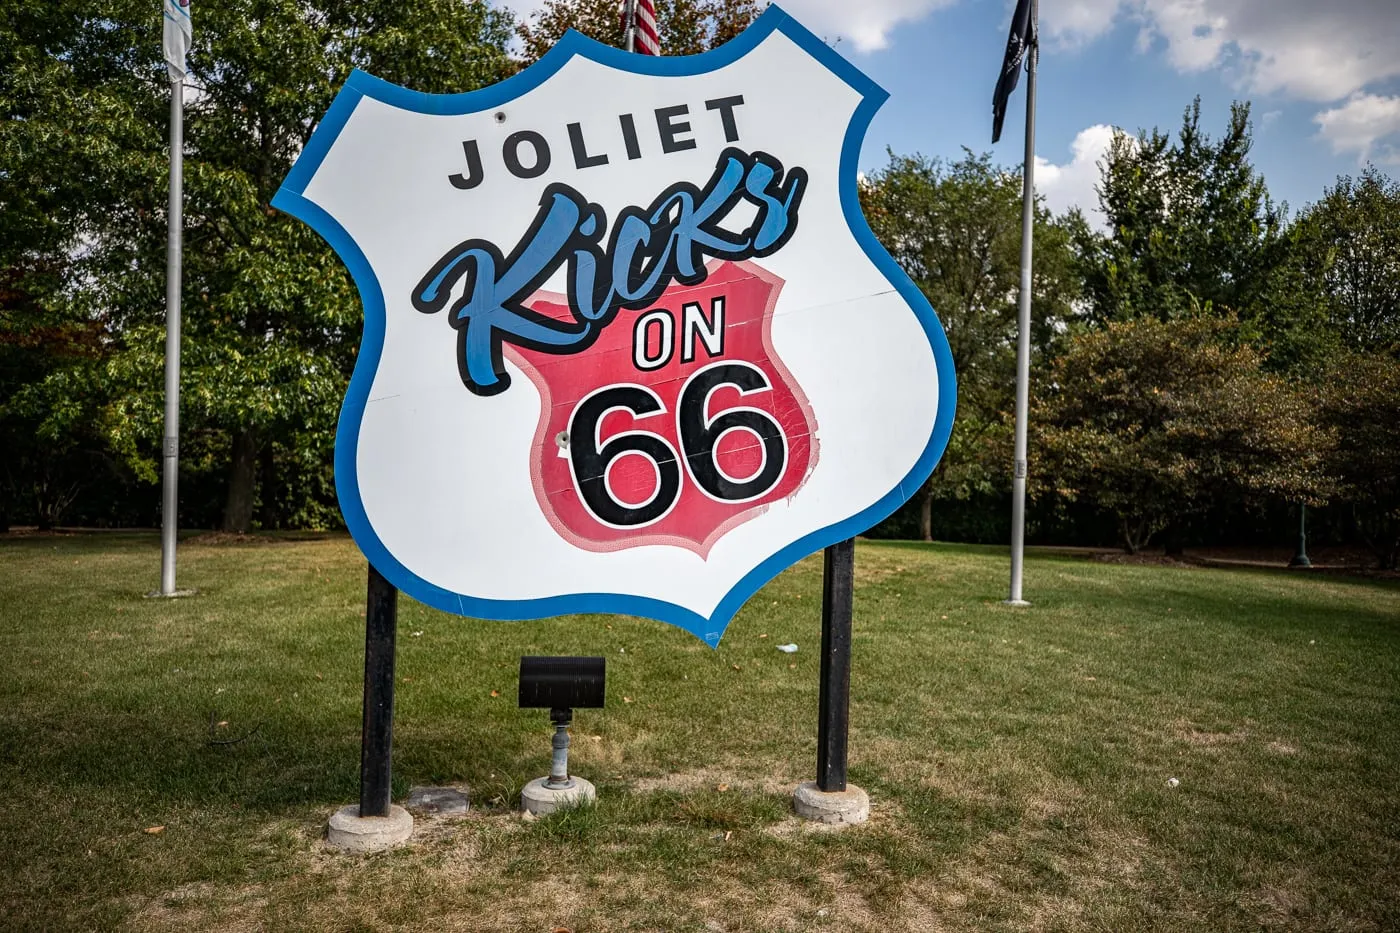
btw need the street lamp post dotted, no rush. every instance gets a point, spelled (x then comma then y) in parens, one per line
(1300, 559)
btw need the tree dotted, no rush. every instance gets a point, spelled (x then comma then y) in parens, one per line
(1190, 225)
(63, 73)
(685, 27)
(955, 228)
(1348, 245)
(270, 316)
(1358, 400)
(51, 412)
(1152, 421)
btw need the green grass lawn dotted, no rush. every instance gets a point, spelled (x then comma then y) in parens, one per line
(1017, 760)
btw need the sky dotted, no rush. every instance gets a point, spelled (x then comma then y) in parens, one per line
(1323, 78)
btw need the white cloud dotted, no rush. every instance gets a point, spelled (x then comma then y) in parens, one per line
(867, 24)
(1318, 50)
(1312, 49)
(1075, 22)
(1072, 184)
(1359, 126)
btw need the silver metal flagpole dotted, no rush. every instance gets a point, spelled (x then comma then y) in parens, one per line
(170, 447)
(631, 13)
(1023, 337)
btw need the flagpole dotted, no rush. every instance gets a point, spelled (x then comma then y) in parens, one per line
(1023, 337)
(170, 447)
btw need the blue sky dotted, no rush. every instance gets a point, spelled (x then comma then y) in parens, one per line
(1323, 77)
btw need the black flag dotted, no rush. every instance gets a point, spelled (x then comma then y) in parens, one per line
(1016, 45)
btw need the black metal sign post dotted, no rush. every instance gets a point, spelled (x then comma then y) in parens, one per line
(838, 584)
(377, 735)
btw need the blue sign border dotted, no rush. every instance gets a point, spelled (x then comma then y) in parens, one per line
(289, 198)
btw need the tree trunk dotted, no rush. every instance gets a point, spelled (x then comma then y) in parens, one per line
(926, 515)
(1135, 537)
(242, 483)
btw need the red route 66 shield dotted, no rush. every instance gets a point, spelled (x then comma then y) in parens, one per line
(629, 345)
(676, 429)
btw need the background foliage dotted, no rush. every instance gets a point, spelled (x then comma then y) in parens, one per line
(1201, 364)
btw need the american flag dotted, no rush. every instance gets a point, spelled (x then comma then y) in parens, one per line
(645, 40)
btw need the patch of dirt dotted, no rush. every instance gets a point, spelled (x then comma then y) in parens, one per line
(994, 871)
(1200, 739)
(227, 539)
(1275, 904)
(874, 565)
(1189, 733)
(732, 906)
(1339, 560)
(27, 531)
(710, 778)
(1143, 558)
(239, 908)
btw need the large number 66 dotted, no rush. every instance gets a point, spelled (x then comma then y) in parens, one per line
(699, 435)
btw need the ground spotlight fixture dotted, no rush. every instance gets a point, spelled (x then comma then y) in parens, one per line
(560, 685)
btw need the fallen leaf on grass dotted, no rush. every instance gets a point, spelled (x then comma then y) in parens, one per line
(764, 635)
(736, 667)
(222, 722)
(495, 693)
(627, 699)
(153, 830)
(792, 667)
(721, 787)
(561, 930)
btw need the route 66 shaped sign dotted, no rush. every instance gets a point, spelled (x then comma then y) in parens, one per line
(629, 345)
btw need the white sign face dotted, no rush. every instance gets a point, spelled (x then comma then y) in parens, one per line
(629, 344)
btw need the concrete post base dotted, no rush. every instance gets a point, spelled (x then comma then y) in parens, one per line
(350, 832)
(834, 808)
(1019, 603)
(538, 798)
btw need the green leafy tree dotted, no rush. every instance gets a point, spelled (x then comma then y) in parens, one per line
(955, 228)
(685, 27)
(1190, 225)
(65, 73)
(270, 316)
(52, 419)
(1348, 246)
(1334, 278)
(1152, 421)
(1358, 401)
